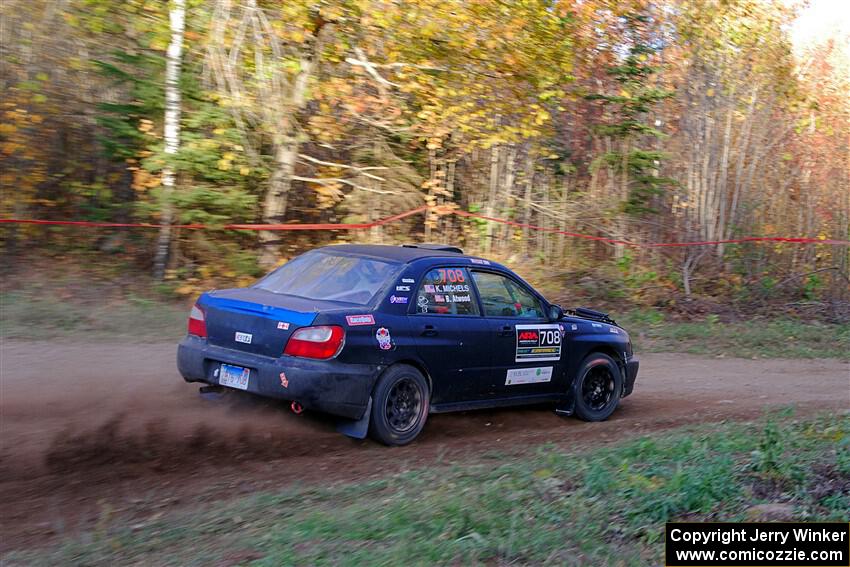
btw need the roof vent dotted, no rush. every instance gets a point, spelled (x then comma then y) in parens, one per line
(437, 247)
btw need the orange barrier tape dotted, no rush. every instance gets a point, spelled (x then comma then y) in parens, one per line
(439, 210)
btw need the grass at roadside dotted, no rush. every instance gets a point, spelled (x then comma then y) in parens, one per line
(597, 507)
(33, 315)
(772, 338)
(45, 314)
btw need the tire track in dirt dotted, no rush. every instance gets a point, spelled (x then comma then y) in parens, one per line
(86, 428)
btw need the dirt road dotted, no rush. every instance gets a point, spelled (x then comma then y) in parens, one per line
(110, 430)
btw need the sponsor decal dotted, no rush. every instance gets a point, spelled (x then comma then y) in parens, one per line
(402, 288)
(283, 381)
(440, 298)
(430, 289)
(480, 261)
(528, 375)
(574, 327)
(408, 280)
(398, 299)
(538, 342)
(422, 303)
(597, 325)
(283, 325)
(614, 330)
(243, 337)
(356, 320)
(385, 341)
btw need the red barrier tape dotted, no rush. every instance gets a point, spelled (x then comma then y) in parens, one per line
(465, 214)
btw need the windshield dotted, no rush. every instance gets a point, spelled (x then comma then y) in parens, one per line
(318, 275)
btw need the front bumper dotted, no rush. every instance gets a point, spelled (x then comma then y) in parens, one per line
(632, 365)
(329, 386)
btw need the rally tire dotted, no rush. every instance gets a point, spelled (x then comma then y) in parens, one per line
(598, 387)
(400, 404)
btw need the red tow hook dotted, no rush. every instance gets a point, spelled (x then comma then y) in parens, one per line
(296, 408)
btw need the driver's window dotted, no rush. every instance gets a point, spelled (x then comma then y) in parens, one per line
(503, 297)
(446, 291)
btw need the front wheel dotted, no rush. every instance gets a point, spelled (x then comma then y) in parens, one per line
(598, 387)
(400, 404)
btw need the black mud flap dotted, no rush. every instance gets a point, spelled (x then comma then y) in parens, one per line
(356, 428)
(566, 407)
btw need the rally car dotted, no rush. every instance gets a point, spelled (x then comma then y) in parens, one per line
(382, 336)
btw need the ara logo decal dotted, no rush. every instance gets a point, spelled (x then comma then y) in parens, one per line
(538, 342)
(525, 336)
(355, 320)
(283, 325)
(385, 341)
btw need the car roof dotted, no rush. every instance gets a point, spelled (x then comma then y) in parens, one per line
(403, 254)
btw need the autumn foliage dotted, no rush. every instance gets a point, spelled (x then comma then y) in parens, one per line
(645, 121)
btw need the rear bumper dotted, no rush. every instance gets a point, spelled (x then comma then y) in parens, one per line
(324, 385)
(632, 365)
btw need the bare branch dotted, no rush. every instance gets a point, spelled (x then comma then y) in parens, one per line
(330, 180)
(360, 170)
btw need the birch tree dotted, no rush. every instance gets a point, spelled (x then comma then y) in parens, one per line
(176, 18)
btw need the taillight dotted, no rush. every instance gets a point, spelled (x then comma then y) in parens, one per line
(197, 322)
(316, 342)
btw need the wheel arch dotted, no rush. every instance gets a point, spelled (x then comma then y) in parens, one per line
(608, 350)
(418, 365)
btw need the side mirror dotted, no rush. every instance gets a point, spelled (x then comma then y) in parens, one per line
(556, 313)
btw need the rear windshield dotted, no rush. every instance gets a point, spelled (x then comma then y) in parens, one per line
(318, 275)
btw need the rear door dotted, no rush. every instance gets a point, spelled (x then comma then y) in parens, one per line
(527, 349)
(451, 336)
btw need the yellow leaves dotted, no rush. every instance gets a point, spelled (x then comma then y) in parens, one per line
(143, 179)
(328, 194)
(145, 126)
(244, 170)
(224, 165)
(7, 129)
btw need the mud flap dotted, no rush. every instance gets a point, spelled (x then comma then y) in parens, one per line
(566, 407)
(356, 428)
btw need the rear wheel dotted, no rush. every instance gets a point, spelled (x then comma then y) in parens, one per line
(598, 387)
(400, 405)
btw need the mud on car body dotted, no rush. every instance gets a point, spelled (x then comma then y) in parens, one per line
(381, 336)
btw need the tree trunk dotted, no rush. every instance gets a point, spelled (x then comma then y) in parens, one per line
(491, 197)
(177, 16)
(286, 153)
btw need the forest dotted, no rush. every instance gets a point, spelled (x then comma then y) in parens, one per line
(631, 123)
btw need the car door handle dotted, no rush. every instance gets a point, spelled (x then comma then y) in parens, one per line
(506, 331)
(429, 331)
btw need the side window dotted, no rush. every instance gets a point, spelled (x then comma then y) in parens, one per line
(446, 291)
(503, 297)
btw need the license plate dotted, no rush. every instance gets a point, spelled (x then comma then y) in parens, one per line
(234, 376)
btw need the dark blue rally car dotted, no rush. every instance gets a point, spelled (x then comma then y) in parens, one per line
(384, 335)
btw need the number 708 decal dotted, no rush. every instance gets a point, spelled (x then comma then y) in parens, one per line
(538, 342)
